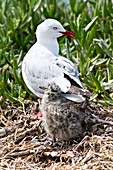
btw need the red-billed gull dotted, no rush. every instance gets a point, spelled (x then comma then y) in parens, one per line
(43, 65)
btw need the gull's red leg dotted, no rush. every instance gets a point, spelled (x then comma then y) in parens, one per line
(39, 114)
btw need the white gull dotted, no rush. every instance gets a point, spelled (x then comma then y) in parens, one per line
(43, 65)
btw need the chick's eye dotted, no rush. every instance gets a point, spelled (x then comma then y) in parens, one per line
(55, 28)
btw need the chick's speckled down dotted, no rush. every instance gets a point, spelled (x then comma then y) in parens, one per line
(62, 118)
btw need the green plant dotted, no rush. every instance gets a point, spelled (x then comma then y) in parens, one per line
(92, 23)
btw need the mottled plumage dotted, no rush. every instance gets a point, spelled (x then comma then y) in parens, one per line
(62, 118)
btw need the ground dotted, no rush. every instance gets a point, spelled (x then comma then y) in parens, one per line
(25, 145)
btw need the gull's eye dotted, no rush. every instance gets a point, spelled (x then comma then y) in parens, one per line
(55, 28)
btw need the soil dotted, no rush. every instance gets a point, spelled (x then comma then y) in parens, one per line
(25, 145)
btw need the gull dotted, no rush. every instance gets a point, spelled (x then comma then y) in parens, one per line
(42, 65)
(63, 119)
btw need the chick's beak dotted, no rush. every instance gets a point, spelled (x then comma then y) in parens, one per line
(68, 33)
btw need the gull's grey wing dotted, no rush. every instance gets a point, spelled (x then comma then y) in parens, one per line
(69, 70)
(37, 76)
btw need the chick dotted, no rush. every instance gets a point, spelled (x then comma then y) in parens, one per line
(63, 119)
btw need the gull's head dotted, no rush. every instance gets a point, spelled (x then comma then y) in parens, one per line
(53, 29)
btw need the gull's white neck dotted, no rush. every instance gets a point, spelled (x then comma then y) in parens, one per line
(50, 43)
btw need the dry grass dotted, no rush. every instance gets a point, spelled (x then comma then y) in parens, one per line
(24, 144)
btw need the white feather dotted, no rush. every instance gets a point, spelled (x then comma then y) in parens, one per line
(74, 97)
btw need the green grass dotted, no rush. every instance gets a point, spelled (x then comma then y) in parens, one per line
(91, 21)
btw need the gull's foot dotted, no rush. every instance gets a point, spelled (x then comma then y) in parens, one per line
(39, 115)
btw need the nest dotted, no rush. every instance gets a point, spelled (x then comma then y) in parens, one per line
(25, 145)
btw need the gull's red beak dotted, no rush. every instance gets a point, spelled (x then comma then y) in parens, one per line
(69, 34)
